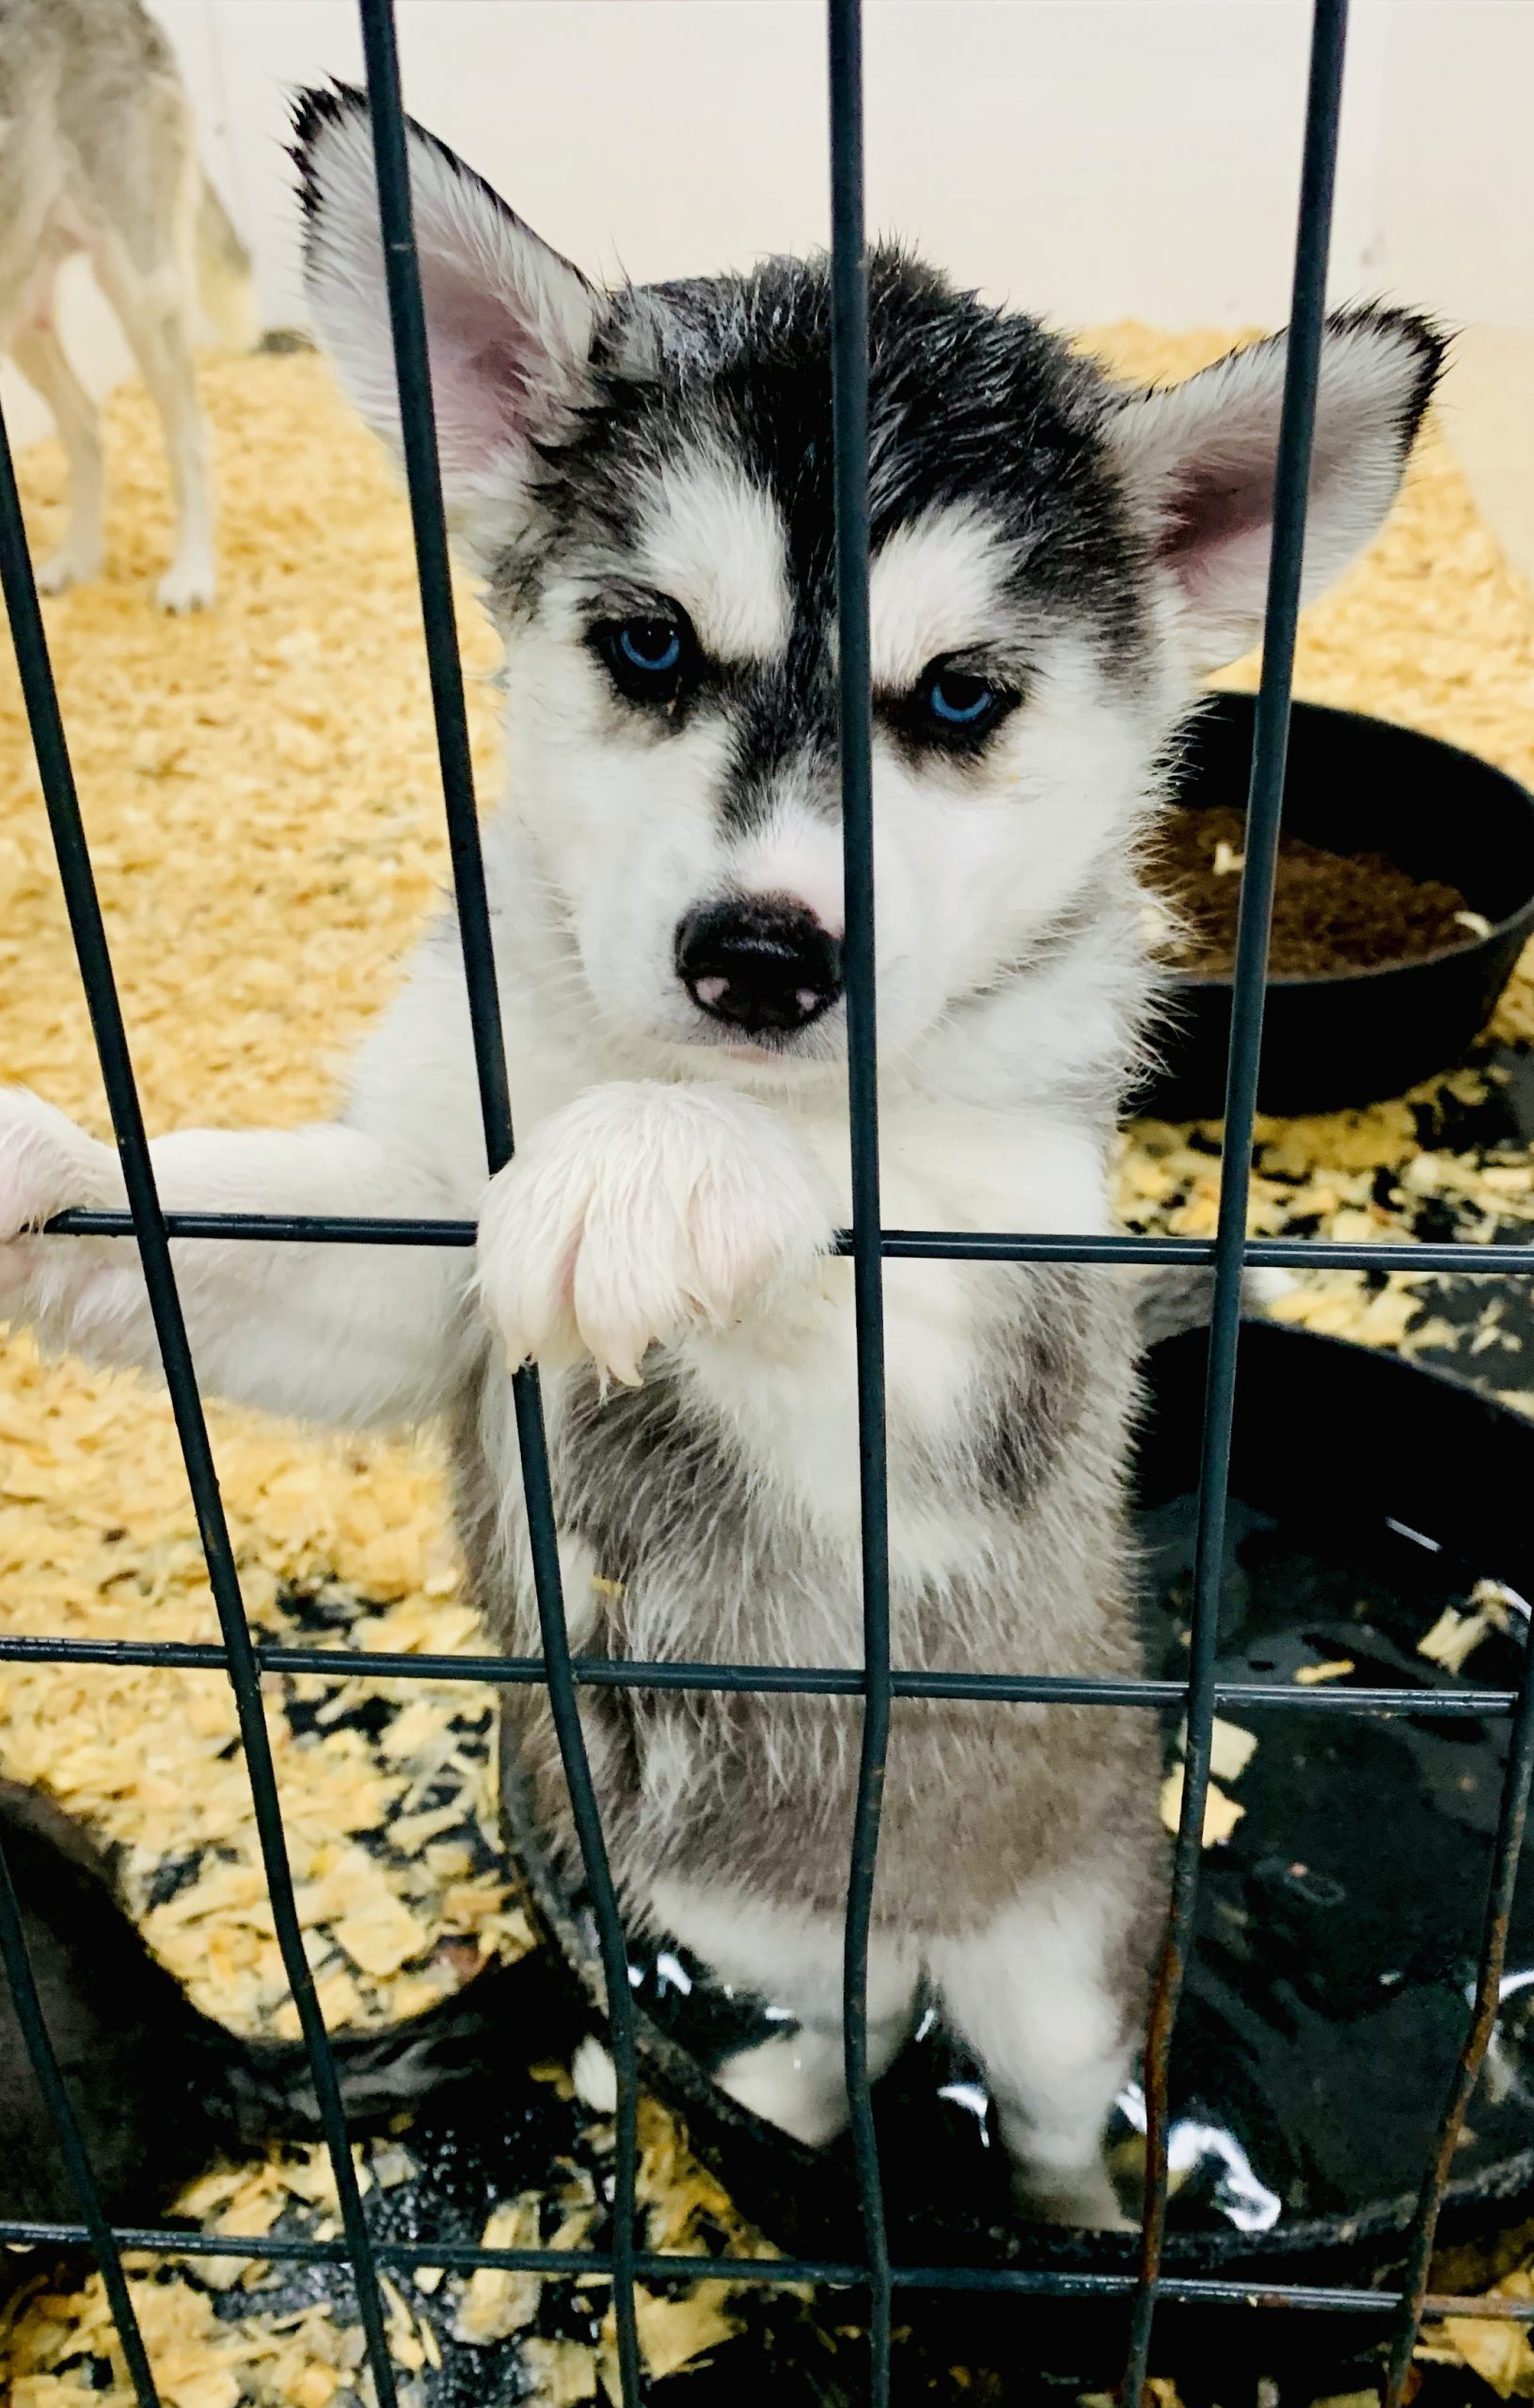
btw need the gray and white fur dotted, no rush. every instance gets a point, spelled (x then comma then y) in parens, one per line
(98, 153)
(642, 480)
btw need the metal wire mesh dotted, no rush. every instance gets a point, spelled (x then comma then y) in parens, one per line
(877, 1683)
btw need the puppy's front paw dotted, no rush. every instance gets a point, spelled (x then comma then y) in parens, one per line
(46, 1165)
(639, 1211)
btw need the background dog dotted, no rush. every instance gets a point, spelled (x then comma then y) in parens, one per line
(98, 153)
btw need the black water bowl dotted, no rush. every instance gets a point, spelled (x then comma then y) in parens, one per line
(1357, 784)
(1338, 1925)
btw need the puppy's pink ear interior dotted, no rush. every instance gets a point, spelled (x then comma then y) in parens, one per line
(509, 323)
(1200, 459)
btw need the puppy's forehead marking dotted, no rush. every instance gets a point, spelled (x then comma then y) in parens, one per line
(935, 586)
(711, 538)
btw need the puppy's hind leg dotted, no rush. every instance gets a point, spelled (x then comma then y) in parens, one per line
(43, 360)
(793, 1963)
(1043, 1996)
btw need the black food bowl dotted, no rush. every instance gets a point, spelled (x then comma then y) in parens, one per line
(1357, 785)
(1337, 1927)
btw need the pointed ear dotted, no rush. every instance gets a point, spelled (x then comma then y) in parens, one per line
(509, 323)
(1199, 460)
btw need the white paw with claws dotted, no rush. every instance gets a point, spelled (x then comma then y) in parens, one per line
(639, 1211)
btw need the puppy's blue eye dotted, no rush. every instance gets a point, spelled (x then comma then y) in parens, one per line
(652, 646)
(959, 702)
(649, 660)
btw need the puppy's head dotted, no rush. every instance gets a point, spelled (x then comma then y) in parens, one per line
(642, 479)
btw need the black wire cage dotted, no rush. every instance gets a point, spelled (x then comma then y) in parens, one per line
(1397, 2312)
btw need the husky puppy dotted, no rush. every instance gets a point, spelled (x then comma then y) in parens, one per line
(98, 153)
(642, 480)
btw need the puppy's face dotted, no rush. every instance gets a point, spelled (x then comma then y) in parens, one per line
(645, 482)
(670, 619)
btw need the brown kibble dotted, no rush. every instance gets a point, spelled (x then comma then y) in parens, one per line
(1332, 911)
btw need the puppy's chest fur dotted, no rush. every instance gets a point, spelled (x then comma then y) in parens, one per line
(683, 1540)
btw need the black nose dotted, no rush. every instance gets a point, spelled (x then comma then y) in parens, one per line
(765, 964)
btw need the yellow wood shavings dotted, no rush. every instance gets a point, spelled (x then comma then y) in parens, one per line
(498, 2302)
(315, 2387)
(1220, 1813)
(1495, 1598)
(251, 2213)
(1309, 1676)
(383, 1936)
(197, 2362)
(674, 2333)
(1455, 1637)
(1495, 2348)
(1231, 1749)
(562, 2372)
(682, 2198)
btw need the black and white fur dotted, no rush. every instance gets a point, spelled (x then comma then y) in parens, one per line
(98, 154)
(663, 458)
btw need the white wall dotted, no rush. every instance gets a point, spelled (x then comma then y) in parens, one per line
(1094, 158)
(1065, 148)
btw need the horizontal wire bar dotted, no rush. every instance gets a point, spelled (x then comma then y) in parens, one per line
(273, 1228)
(1260, 1253)
(666, 2266)
(833, 1680)
(1471, 1255)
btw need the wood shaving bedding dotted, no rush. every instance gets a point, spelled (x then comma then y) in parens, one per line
(261, 792)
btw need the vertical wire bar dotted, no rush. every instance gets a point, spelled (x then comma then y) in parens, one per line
(417, 420)
(850, 401)
(82, 2179)
(1263, 807)
(86, 926)
(1502, 1884)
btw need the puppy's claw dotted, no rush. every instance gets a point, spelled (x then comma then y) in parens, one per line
(625, 1372)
